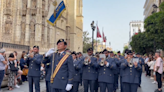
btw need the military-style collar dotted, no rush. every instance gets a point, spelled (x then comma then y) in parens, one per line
(61, 52)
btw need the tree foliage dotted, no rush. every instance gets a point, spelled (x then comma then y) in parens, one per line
(86, 41)
(153, 37)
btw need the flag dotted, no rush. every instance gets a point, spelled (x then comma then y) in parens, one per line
(98, 33)
(56, 9)
(103, 37)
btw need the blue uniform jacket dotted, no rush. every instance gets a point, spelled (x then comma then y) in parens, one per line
(47, 64)
(130, 74)
(34, 65)
(106, 73)
(121, 70)
(142, 62)
(66, 72)
(77, 66)
(117, 62)
(89, 71)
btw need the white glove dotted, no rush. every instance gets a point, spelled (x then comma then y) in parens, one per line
(107, 64)
(52, 50)
(69, 87)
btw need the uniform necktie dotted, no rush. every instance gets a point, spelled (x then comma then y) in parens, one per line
(58, 54)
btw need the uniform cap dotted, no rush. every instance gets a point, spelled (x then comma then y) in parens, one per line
(2, 50)
(60, 40)
(90, 49)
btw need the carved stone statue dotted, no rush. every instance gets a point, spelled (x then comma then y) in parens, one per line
(32, 27)
(24, 2)
(8, 25)
(33, 4)
(8, 3)
(23, 26)
(43, 5)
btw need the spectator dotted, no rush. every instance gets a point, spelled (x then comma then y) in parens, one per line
(159, 71)
(23, 66)
(3, 62)
(19, 72)
(155, 82)
(146, 66)
(12, 74)
(151, 65)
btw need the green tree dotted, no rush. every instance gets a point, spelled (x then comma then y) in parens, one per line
(86, 41)
(153, 37)
(142, 44)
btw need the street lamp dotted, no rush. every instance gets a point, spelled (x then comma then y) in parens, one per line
(155, 7)
(93, 29)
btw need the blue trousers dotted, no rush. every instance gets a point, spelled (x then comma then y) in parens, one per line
(75, 86)
(115, 82)
(48, 88)
(121, 84)
(1, 77)
(57, 90)
(90, 83)
(140, 78)
(36, 81)
(104, 85)
(96, 85)
(130, 87)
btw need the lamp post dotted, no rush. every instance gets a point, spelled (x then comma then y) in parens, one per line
(93, 29)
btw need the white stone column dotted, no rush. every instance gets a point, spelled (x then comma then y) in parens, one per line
(18, 23)
(38, 26)
(52, 36)
(1, 14)
(27, 33)
(72, 22)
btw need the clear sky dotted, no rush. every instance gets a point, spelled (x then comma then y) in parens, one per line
(114, 16)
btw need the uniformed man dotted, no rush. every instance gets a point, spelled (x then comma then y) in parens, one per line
(106, 73)
(34, 61)
(96, 82)
(130, 77)
(116, 71)
(89, 71)
(47, 65)
(141, 61)
(62, 69)
(119, 55)
(81, 58)
(77, 66)
(121, 59)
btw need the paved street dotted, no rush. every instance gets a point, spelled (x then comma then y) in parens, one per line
(146, 86)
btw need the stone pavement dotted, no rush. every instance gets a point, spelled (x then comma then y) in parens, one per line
(146, 86)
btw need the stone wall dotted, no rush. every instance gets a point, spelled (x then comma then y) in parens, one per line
(23, 22)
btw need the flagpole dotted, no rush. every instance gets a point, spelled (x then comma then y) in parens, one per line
(102, 39)
(52, 70)
(96, 38)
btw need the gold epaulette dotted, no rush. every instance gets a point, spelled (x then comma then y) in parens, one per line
(68, 53)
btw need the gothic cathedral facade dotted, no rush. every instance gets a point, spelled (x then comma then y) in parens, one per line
(23, 22)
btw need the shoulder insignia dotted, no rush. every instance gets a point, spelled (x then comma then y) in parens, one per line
(68, 53)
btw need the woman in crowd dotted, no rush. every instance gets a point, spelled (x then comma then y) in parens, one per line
(155, 82)
(12, 74)
(23, 66)
(151, 65)
(19, 72)
(3, 62)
